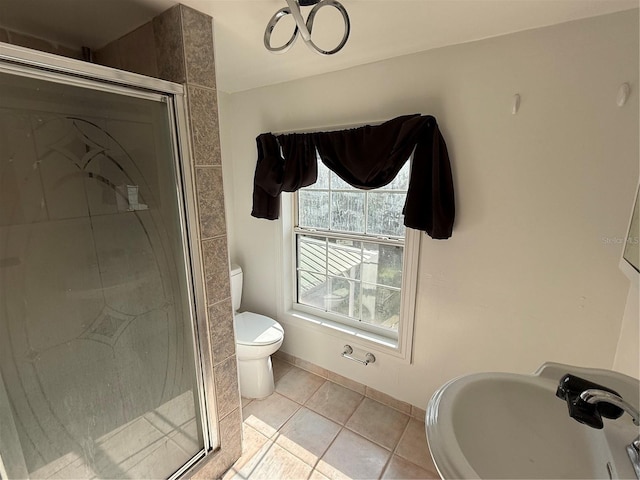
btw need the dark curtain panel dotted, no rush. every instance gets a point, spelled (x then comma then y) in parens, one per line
(366, 157)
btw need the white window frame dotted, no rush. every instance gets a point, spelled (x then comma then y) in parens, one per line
(289, 311)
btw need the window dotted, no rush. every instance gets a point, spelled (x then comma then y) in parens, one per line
(350, 254)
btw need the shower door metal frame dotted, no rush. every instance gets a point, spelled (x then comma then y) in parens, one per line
(44, 66)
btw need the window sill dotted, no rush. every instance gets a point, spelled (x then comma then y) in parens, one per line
(361, 338)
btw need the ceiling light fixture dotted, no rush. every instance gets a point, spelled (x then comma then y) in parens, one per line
(304, 28)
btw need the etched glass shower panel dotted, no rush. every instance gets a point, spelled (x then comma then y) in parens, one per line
(96, 344)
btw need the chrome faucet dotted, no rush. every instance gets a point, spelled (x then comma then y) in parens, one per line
(588, 402)
(594, 396)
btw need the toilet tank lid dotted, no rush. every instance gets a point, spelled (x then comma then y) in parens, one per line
(255, 329)
(235, 269)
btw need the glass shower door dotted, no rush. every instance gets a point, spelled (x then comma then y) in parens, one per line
(97, 363)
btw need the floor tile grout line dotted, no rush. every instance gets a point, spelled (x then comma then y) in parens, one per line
(408, 460)
(274, 438)
(395, 449)
(259, 462)
(409, 414)
(328, 448)
(300, 406)
(354, 411)
(293, 399)
(342, 427)
(392, 450)
(350, 429)
(333, 420)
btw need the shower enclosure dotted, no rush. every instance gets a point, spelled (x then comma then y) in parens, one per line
(102, 368)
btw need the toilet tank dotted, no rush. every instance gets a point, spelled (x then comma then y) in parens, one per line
(236, 286)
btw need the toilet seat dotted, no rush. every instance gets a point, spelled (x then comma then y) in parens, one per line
(255, 329)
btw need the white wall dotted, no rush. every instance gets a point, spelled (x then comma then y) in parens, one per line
(627, 359)
(528, 275)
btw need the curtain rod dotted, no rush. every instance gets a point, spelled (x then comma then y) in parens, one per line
(329, 128)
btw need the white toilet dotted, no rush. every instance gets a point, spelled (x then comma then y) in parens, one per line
(257, 338)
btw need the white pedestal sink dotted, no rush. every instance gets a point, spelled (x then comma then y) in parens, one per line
(501, 425)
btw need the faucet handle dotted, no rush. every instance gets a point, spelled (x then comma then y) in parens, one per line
(569, 389)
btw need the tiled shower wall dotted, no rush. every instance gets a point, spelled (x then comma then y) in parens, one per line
(28, 41)
(177, 46)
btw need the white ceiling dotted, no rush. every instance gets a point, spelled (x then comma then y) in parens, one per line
(380, 29)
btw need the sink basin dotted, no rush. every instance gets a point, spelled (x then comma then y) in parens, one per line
(501, 425)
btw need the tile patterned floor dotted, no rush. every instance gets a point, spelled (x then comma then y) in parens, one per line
(312, 428)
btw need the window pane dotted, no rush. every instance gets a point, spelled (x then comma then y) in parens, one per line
(312, 289)
(338, 184)
(345, 258)
(349, 277)
(313, 209)
(343, 297)
(384, 213)
(323, 178)
(380, 306)
(347, 211)
(383, 264)
(312, 254)
(401, 182)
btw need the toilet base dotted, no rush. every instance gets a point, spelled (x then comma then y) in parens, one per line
(256, 377)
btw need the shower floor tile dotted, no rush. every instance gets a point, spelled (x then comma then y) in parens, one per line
(148, 447)
(312, 428)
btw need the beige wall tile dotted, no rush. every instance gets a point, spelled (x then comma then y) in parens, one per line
(41, 45)
(231, 435)
(167, 31)
(254, 445)
(109, 55)
(347, 382)
(138, 51)
(210, 201)
(227, 390)
(203, 108)
(403, 407)
(418, 413)
(216, 269)
(223, 343)
(198, 35)
(216, 464)
(210, 467)
(311, 367)
(285, 357)
(388, 400)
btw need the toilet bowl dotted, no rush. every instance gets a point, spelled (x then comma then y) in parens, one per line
(257, 338)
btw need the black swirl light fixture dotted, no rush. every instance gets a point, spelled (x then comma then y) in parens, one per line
(304, 28)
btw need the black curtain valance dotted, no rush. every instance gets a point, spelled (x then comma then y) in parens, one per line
(366, 157)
